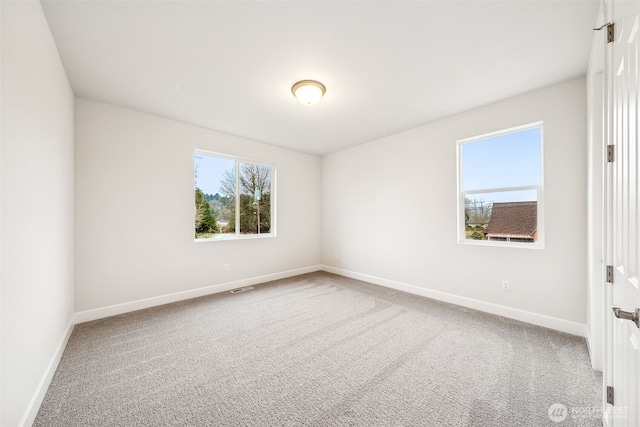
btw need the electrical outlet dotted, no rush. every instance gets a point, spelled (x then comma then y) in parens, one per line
(506, 285)
(335, 255)
(226, 267)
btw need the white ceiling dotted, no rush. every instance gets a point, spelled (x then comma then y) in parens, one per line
(388, 65)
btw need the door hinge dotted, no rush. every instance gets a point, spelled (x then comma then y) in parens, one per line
(609, 273)
(610, 395)
(609, 153)
(610, 32)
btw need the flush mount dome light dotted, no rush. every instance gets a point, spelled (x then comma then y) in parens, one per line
(308, 91)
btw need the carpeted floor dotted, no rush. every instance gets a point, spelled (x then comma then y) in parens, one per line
(318, 350)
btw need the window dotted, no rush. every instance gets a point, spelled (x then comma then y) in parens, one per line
(233, 198)
(500, 188)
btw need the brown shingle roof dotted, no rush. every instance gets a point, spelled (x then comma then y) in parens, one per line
(514, 219)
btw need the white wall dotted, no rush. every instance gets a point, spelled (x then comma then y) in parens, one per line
(134, 209)
(389, 213)
(37, 209)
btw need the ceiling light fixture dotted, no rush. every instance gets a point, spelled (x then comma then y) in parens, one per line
(308, 91)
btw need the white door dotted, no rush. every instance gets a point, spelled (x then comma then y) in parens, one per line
(622, 336)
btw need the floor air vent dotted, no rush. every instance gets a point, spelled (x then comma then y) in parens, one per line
(245, 289)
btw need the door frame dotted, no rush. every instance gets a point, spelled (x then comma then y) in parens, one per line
(596, 111)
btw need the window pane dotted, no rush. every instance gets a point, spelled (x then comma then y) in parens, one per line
(510, 216)
(215, 189)
(232, 197)
(510, 160)
(500, 181)
(255, 198)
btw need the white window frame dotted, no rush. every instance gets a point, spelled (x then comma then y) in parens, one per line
(237, 235)
(540, 242)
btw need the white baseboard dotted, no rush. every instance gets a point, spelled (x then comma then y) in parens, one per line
(562, 325)
(43, 385)
(112, 310)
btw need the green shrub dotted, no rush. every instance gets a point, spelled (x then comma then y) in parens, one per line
(477, 235)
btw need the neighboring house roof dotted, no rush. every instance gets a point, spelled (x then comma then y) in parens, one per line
(513, 219)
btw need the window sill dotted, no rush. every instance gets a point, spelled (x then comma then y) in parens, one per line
(469, 242)
(227, 237)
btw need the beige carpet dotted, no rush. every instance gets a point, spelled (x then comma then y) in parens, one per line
(318, 350)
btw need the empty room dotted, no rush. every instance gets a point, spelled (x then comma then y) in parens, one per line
(319, 213)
